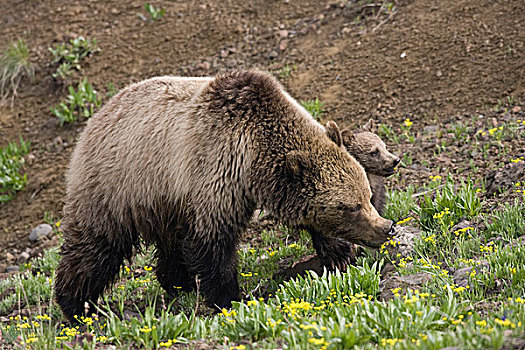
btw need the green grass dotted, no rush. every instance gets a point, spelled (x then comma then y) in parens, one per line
(11, 164)
(14, 66)
(400, 204)
(68, 56)
(155, 13)
(79, 103)
(314, 107)
(332, 311)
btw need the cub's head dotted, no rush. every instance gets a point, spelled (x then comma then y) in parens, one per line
(370, 150)
(337, 194)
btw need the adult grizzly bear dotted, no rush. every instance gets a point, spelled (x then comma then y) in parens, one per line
(182, 163)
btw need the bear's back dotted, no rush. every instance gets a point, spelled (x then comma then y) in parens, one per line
(138, 145)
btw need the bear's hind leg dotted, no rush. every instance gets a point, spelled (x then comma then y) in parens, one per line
(90, 262)
(172, 273)
(215, 263)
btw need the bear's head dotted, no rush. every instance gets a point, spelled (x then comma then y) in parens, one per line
(370, 150)
(337, 194)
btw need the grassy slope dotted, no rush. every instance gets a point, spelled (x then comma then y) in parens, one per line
(331, 311)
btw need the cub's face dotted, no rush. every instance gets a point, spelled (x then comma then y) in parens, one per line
(370, 151)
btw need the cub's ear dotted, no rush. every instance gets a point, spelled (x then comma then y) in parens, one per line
(297, 162)
(370, 126)
(333, 132)
(348, 137)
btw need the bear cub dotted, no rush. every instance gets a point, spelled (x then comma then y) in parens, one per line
(371, 152)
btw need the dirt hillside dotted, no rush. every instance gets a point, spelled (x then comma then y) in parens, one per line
(434, 62)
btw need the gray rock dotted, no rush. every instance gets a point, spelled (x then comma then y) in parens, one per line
(23, 257)
(504, 178)
(431, 128)
(42, 230)
(11, 269)
(415, 281)
(461, 277)
(405, 236)
(461, 225)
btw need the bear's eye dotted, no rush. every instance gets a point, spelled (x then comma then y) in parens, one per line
(375, 152)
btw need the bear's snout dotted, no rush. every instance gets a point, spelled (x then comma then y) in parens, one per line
(396, 161)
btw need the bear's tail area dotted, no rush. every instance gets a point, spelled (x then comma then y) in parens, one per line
(243, 88)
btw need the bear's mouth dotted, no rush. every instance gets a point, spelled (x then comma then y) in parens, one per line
(388, 171)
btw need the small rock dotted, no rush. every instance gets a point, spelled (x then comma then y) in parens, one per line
(203, 65)
(504, 178)
(516, 109)
(12, 269)
(283, 45)
(415, 281)
(23, 257)
(9, 257)
(461, 276)
(283, 34)
(439, 73)
(224, 53)
(431, 128)
(273, 54)
(405, 236)
(30, 159)
(42, 230)
(461, 225)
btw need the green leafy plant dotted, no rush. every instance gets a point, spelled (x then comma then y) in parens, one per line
(14, 66)
(79, 103)
(314, 107)
(287, 70)
(155, 13)
(111, 90)
(449, 205)
(400, 204)
(67, 56)
(386, 131)
(11, 162)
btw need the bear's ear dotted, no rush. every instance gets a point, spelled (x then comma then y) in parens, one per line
(348, 137)
(296, 163)
(370, 126)
(333, 132)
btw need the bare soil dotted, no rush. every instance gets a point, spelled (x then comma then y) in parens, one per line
(435, 62)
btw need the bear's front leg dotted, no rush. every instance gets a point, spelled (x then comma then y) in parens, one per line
(214, 261)
(334, 252)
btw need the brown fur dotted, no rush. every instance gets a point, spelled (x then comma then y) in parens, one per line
(182, 163)
(371, 152)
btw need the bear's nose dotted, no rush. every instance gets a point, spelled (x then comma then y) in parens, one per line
(396, 161)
